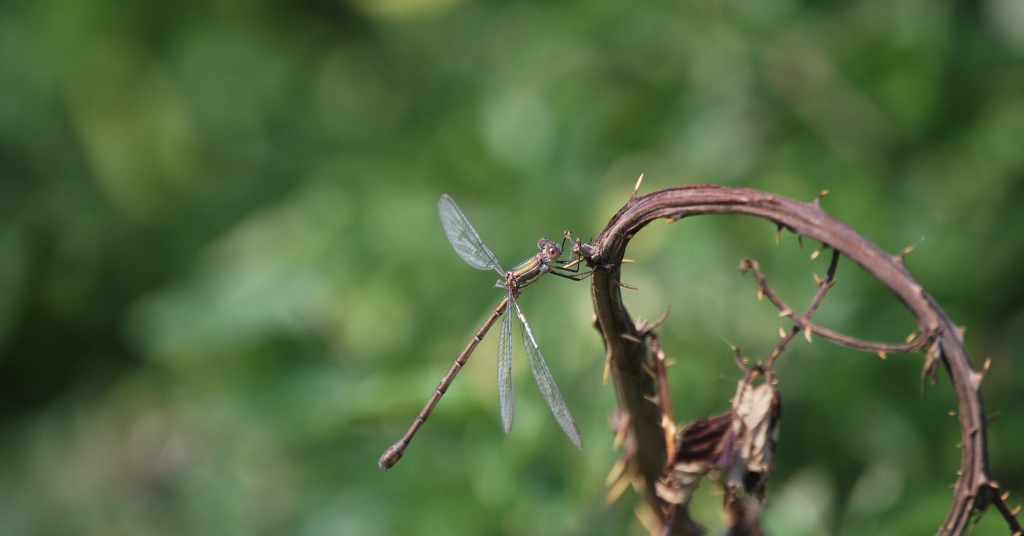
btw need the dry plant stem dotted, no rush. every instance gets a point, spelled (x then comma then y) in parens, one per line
(801, 322)
(635, 387)
(660, 373)
(819, 296)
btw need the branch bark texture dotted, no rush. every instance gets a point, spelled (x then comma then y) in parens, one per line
(626, 352)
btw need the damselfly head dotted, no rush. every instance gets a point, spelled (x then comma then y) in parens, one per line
(549, 249)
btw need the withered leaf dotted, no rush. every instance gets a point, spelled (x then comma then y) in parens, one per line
(758, 410)
(740, 442)
(699, 447)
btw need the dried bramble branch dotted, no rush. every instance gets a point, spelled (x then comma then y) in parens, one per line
(627, 352)
(763, 289)
(803, 322)
(626, 470)
(739, 443)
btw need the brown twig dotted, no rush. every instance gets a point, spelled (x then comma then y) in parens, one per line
(763, 289)
(803, 322)
(627, 353)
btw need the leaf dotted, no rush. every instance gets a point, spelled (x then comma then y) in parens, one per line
(758, 410)
(740, 442)
(699, 450)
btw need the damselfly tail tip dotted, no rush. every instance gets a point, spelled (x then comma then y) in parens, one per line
(390, 457)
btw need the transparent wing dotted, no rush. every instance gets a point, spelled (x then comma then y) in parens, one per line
(506, 394)
(464, 238)
(547, 384)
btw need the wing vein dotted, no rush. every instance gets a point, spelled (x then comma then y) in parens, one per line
(546, 383)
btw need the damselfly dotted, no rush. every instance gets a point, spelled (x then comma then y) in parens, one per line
(468, 244)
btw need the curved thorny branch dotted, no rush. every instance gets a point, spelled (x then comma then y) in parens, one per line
(627, 345)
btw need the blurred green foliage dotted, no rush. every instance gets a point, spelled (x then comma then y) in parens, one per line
(224, 289)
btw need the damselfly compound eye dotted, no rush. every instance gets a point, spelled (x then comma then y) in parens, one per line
(549, 248)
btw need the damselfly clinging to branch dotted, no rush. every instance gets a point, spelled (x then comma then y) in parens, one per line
(468, 244)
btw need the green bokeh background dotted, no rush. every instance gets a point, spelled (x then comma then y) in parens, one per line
(224, 289)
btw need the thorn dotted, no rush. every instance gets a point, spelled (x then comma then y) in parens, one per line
(618, 489)
(952, 413)
(630, 337)
(782, 333)
(623, 285)
(817, 200)
(1015, 510)
(662, 318)
(931, 362)
(644, 366)
(778, 236)
(1004, 496)
(881, 353)
(617, 468)
(627, 261)
(984, 368)
(817, 280)
(912, 336)
(760, 294)
(815, 253)
(637, 187)
(800, 241)
(648, 518)
(906, 251)
(620, 434)
(670, 362)
(807, 333)
(785, 312)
